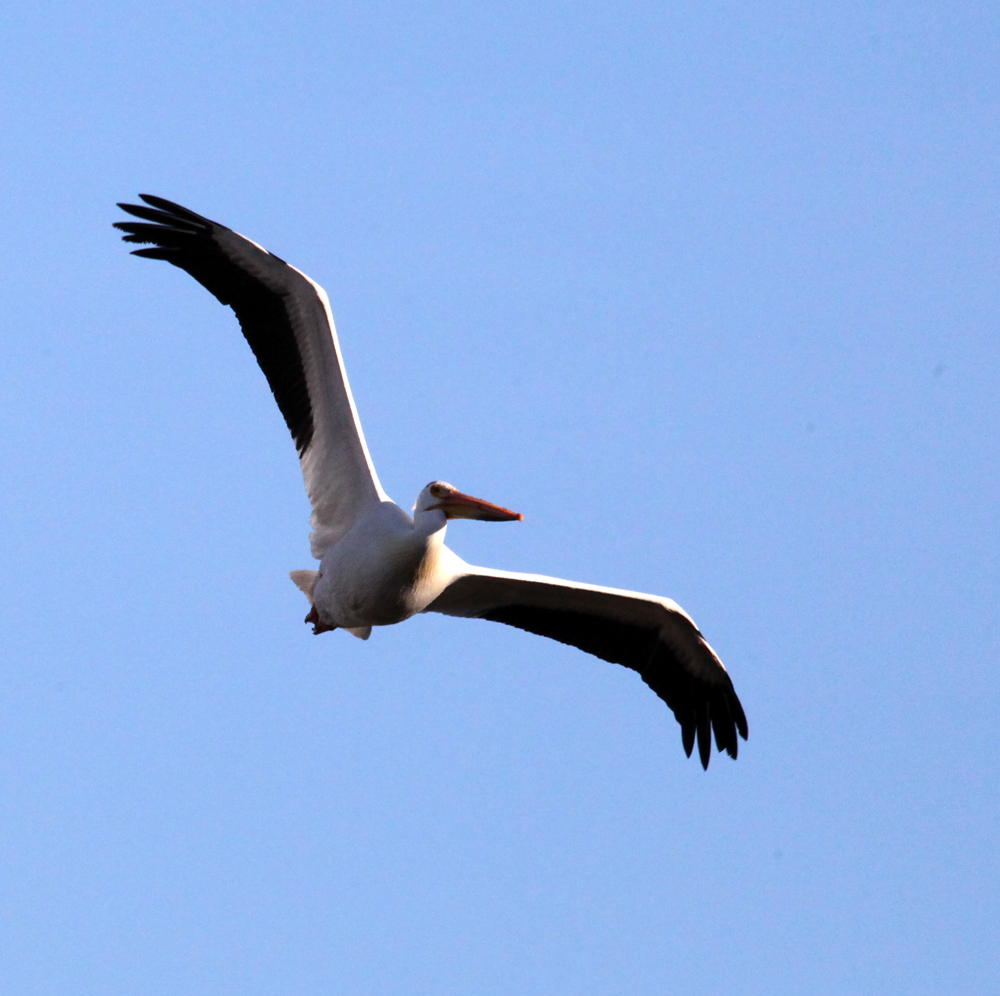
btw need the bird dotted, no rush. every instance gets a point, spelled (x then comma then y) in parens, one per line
(379, 565)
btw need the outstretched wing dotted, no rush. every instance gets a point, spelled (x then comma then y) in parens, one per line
(651, 635)
(286, 319)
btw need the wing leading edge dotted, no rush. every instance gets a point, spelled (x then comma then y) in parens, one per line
(285, 317)
(653, 636)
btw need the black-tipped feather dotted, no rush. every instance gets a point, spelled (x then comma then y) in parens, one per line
(705, 733)
(187, 240)
(699, 706)
(176, 210)
(162, 217)
(687, 736)
(724, 726)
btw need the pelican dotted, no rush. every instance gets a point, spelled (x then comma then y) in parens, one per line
(377, 564)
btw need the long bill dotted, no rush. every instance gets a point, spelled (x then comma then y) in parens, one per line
(462, 506)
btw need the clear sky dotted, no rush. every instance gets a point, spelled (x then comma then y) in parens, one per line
(708, 291)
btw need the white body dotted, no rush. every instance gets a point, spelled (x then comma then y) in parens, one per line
(386, 568)
(379, 566)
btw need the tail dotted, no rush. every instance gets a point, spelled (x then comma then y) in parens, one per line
(305, 581)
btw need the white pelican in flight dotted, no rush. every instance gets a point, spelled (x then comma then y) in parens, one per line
(378, 565)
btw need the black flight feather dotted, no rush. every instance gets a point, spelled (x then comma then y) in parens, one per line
(698, 706)
(187, 240)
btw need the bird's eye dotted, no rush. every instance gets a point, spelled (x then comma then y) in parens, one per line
(438, 491)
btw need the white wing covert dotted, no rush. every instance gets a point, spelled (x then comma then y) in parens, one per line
(285, 317)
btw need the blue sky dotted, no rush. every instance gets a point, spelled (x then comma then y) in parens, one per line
(708, 291)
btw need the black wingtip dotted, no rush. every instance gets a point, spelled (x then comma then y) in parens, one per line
(705, 736)
(165, 212)
(156, 253)
(741, 718)
(687, 737)
(172, 208)
(189, 241)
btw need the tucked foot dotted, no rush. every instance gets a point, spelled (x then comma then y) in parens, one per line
(318, 626)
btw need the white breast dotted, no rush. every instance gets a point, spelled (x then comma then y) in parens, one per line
(382, 571)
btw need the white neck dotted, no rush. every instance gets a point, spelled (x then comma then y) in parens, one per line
(427, 522)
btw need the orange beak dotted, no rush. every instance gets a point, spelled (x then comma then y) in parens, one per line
(459, 506)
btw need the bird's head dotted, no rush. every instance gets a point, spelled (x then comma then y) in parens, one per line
(455, 505)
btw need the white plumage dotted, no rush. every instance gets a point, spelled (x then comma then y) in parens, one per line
(379, 565)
